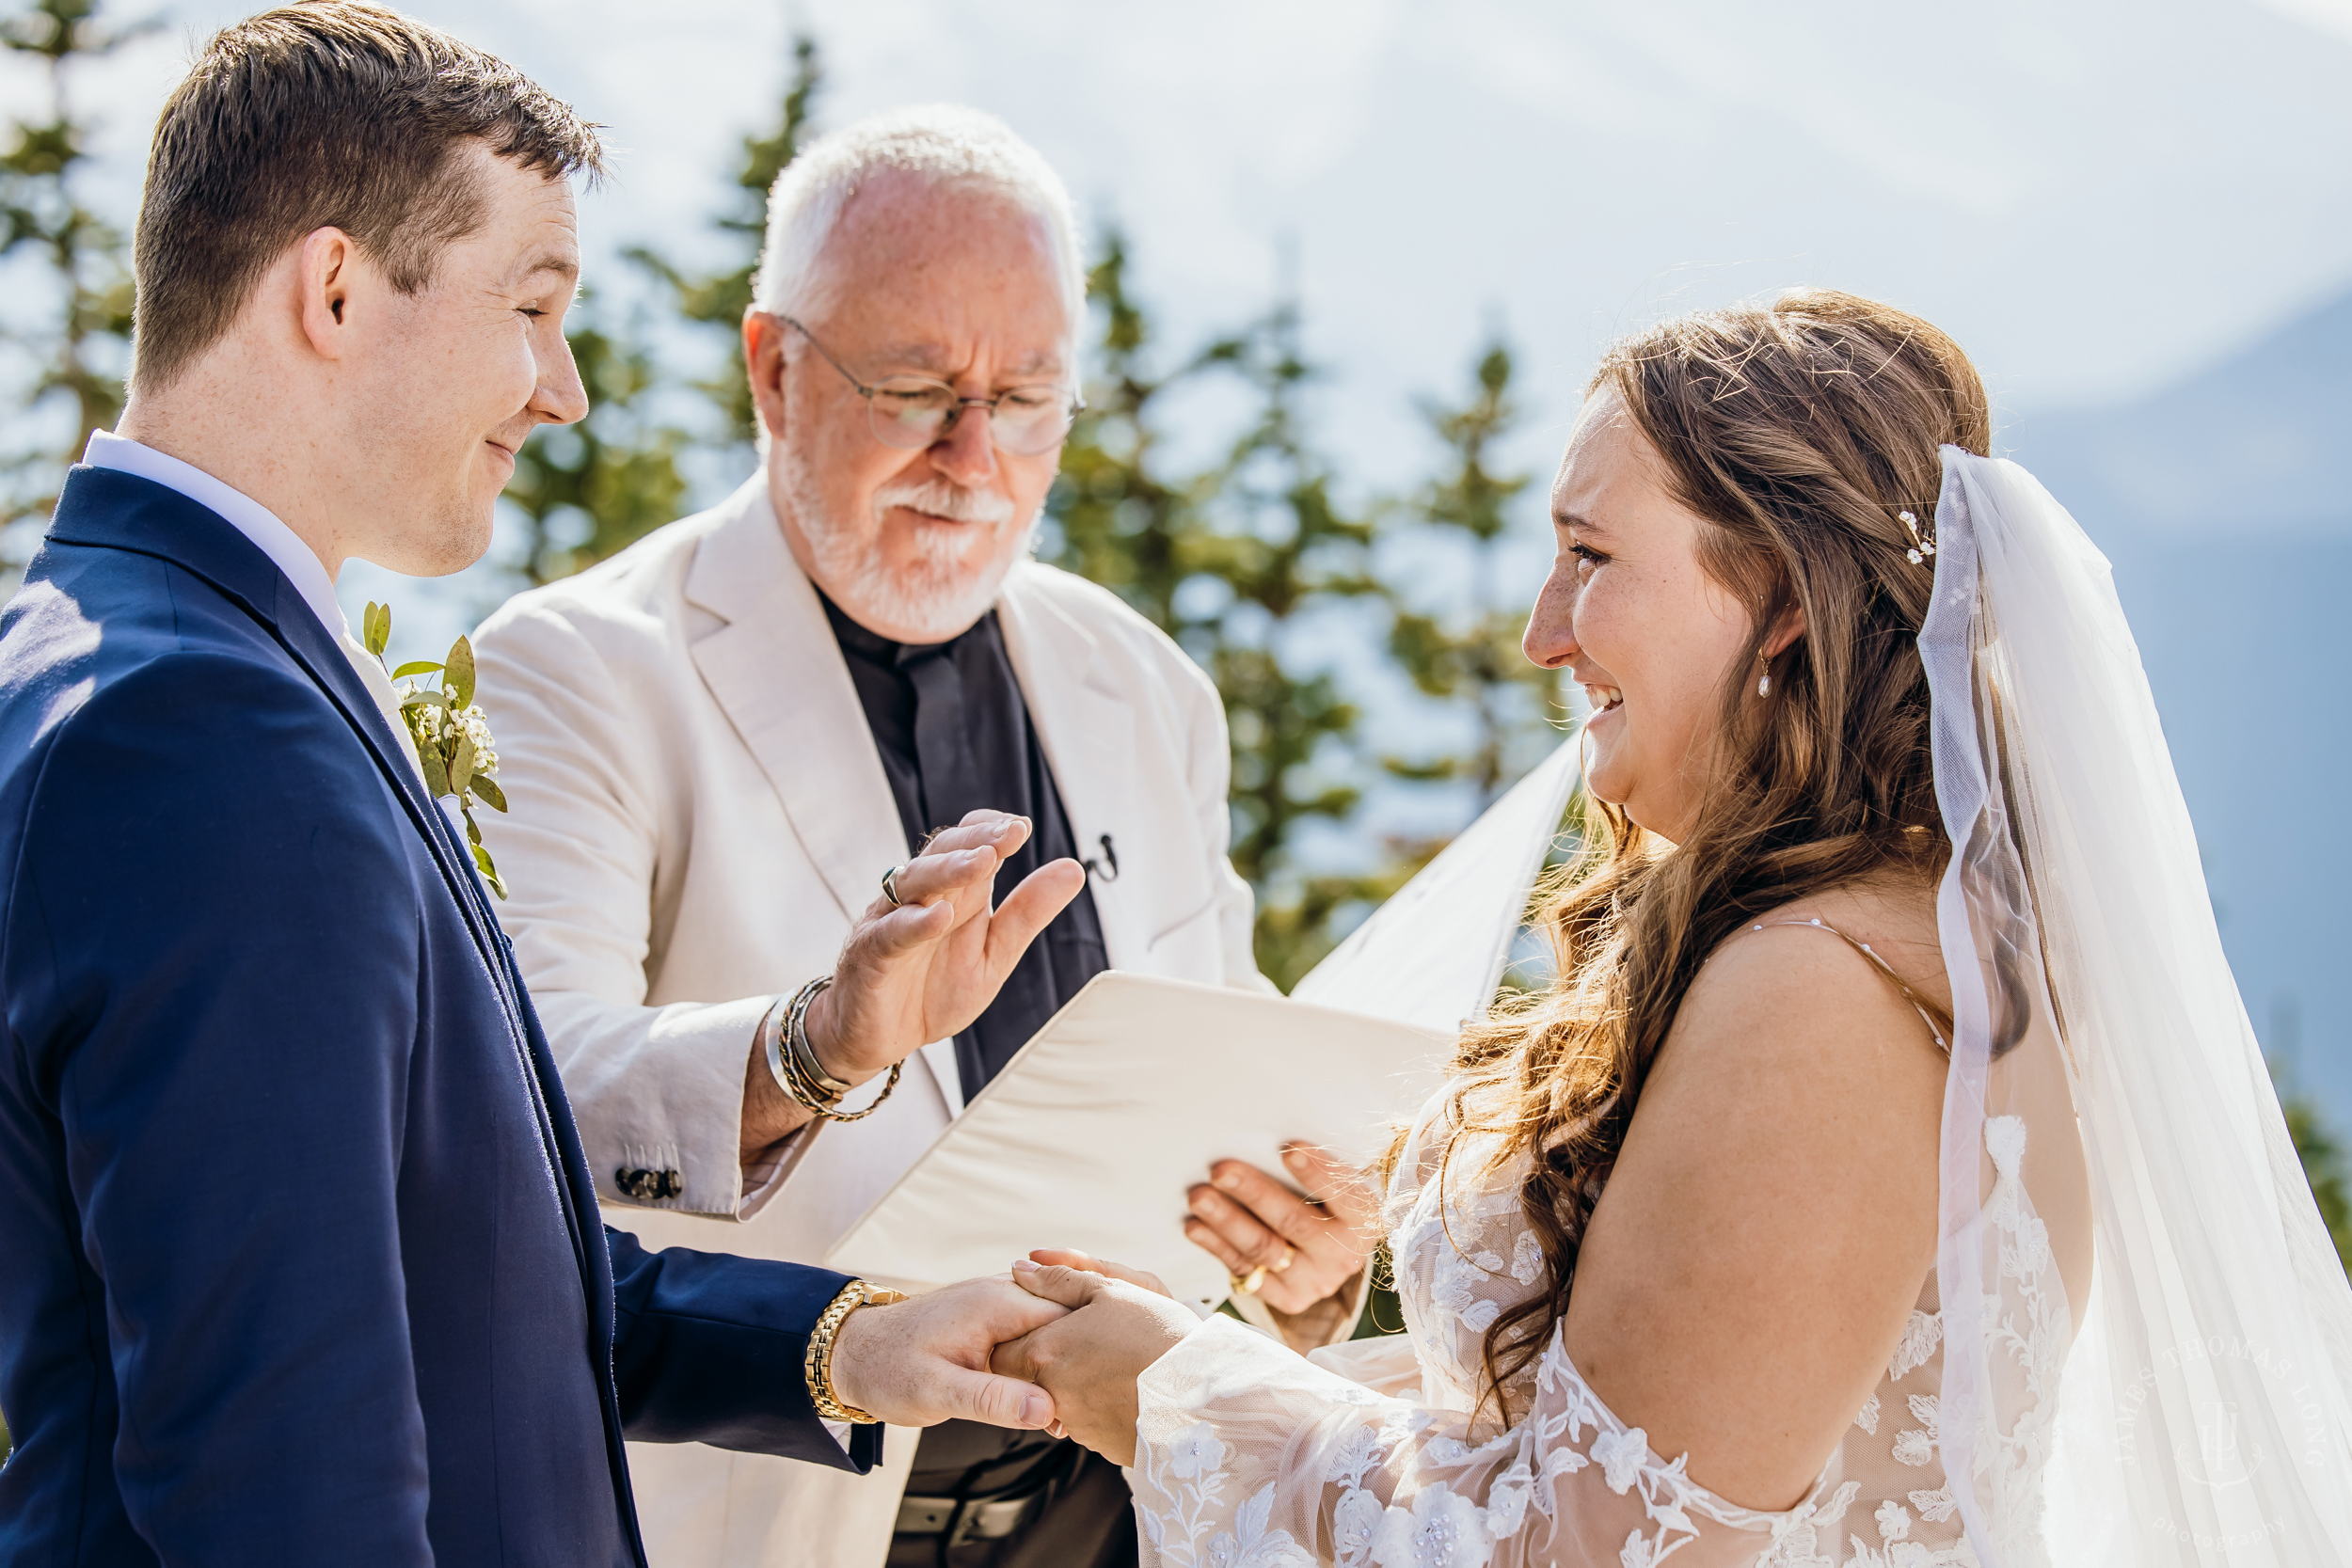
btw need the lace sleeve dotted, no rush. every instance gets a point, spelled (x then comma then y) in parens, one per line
(1249, 1456)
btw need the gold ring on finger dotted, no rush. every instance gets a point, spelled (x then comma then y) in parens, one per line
(1289, 1255)
(1246, 1284)
(890, 887)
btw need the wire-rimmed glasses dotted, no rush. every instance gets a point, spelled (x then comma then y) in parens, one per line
(913, 412)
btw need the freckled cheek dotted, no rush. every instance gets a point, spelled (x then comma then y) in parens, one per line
(1599, 611)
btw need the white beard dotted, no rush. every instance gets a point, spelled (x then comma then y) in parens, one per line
(940, 595)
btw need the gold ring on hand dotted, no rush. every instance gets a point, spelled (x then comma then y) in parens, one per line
(890, 887)
(1289, 1255)
(1246, 1284)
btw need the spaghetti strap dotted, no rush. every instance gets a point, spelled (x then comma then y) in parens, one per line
(1884, 968)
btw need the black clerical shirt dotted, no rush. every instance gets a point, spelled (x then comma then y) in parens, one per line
(954, 734)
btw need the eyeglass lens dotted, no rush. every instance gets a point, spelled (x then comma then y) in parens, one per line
(910, 414)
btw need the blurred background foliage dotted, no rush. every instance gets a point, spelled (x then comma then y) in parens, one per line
(1192, 486)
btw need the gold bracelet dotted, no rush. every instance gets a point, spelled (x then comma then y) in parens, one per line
(818, 1366)
(777, 1030)
(792, 1061)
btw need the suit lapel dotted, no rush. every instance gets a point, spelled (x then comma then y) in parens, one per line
(1087, 731)
(775, 669)
(119, 511)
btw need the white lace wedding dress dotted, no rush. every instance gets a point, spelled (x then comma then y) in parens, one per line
(1366, 1455)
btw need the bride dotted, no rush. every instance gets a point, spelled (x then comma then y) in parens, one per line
(1890, 1178)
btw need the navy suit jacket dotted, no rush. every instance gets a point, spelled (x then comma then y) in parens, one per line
(299, 1262)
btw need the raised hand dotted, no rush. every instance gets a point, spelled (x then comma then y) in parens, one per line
(919, 970)
(918, 1363)
(926, 967)
(1311, 1248)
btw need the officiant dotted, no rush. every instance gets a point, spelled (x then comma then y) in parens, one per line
(718, 742)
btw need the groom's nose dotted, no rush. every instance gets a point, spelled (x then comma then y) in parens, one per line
(561, 397)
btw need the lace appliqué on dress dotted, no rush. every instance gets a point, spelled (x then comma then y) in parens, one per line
(1250, 1457)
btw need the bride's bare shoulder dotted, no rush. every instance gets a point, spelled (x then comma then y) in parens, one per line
(1771, 1217)
(1829, 952)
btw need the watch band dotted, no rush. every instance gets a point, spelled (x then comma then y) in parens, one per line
(818, 1364)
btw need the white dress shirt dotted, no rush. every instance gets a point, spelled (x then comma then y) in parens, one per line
(268, 533)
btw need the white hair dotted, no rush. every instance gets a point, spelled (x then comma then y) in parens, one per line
(942, 144)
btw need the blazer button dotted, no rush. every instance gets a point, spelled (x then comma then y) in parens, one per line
(648, 1186)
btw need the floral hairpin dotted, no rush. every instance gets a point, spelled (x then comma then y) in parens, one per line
(1922, 545)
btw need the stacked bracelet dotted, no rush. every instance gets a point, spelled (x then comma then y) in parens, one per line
(819, 1363)
(792, 1061)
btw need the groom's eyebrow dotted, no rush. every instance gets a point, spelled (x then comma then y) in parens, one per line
(550, 261)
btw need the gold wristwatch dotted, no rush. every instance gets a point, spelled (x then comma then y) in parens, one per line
(856, 1293)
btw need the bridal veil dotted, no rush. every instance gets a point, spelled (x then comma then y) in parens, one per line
(2148, 1334)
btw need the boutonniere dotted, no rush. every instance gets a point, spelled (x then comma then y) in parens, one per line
(451, 735)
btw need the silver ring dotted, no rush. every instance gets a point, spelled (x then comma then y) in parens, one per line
(890, 887)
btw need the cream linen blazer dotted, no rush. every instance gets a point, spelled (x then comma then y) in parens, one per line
(698, 814)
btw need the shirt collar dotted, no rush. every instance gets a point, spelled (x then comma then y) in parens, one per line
(873, 647)
(269, 535)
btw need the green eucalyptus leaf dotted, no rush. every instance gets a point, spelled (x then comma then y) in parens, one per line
(474, 832)
(425, 697)
(377, 626)
(486, 790)
(435, 771)
(461, 765)
(457, 675)
(415, 667)
(489, 872)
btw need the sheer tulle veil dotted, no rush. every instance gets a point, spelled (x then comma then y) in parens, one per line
(2148, 1337)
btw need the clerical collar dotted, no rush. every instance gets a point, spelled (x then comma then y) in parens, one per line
(875, 648)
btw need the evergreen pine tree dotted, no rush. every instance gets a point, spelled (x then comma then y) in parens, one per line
(78, 352)
(588, 490)
(1231, 560)
(1113, 517)
(718, 299)
(1468, 653)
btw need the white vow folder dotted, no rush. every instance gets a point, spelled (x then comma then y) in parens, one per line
(1092, 1133)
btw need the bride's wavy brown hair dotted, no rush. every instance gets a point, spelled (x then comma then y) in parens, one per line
(1800, 432)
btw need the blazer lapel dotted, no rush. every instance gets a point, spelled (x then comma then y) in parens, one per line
(118, 511)
(1088, 730)
(775, 669)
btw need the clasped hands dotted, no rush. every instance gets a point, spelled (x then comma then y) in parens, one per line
(1119, 1321)
(1059, 1342)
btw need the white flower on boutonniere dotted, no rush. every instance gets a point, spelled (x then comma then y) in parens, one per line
(452, 736)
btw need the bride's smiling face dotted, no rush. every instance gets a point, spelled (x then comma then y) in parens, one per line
(1633, 614)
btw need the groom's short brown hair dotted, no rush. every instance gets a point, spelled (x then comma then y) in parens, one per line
(326, 112)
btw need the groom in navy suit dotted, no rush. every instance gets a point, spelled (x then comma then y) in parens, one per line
(302, 1261)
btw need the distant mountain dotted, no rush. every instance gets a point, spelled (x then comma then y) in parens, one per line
(2225, 503)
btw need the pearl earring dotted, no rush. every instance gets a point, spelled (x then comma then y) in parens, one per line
(1764, 682)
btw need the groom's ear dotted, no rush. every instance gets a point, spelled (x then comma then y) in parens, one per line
(326, 272)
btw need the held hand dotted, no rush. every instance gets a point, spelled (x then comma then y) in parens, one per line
(1309, 1249)
(924, 968)
(1090, 1360)
(1071, 1257)
(918, 1363)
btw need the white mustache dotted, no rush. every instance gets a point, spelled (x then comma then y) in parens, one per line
(941, 498)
